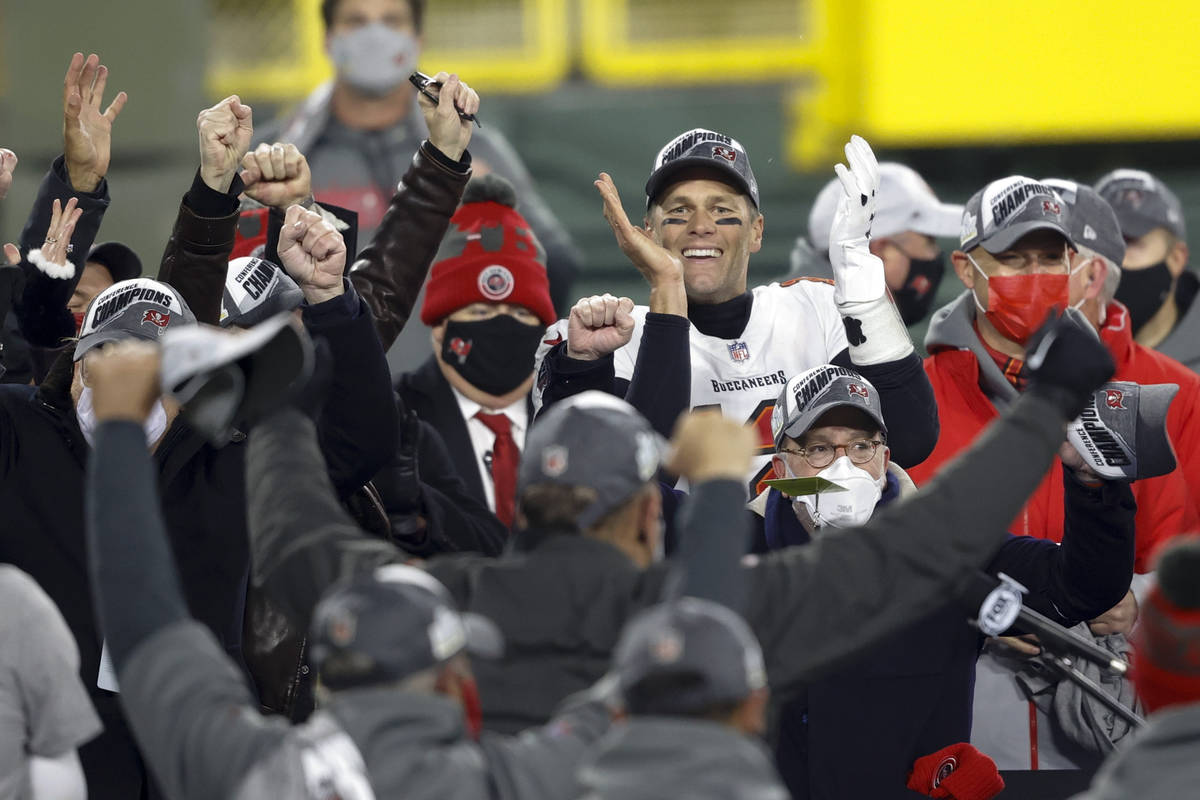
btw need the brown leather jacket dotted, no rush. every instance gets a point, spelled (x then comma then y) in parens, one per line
(390, 270)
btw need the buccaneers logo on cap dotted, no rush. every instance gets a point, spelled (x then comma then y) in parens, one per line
(159, 318)
(1114, 398)
(861, 391)
(1051, 207)
(727, 153)
(496, 282)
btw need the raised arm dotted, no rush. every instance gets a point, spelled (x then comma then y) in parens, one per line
(879, 347)
(390, 271)
(196, 722)
(197, 254)
(54, 247)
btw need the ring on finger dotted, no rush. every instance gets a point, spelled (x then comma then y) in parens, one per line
(51, 239)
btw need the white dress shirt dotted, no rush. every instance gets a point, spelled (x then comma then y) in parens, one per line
(482, 438)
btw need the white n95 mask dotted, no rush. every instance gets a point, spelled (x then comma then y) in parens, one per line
(846, 509)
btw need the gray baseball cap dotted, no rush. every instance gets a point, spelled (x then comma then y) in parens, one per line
(1122, 432)
(256, 289)
(389, 624)
(596, 441)
(811, 393)
(1093, 222)
(702, 148)
(1006, 209)
(692, 638)
(135, 309)
(1142, 203)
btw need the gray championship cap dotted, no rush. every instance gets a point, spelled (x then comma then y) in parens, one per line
(390, 624)
(1142, 203)
(255, 290)
(1122, 432)
(1094, 224)
(702, 148)
(904, 202)
(705, 644)
(1005, 210)
(119, 259)
(595, 441)
(133, 309)
(811, 393)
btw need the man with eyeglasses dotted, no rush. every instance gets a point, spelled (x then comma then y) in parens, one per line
(915, 684)
(1018, 260)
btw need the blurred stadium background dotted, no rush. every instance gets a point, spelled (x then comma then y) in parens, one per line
(963, 91)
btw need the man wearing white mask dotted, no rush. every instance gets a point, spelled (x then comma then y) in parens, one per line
(916, 684)
(360, 131)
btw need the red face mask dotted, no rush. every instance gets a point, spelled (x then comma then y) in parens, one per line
(1019, 304)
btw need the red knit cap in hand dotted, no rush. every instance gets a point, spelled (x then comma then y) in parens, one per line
(1166, 656)
(489, 255)
(959, 772)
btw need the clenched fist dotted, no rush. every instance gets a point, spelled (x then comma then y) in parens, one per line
(124, 378)
(707, 446)
(599, 325)
(225, 132)
(449, 132)
(277, 175)
(313, 253)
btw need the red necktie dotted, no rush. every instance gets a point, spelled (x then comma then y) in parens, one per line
(505, 458)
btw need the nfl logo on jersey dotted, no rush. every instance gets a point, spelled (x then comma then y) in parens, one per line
(738, 351)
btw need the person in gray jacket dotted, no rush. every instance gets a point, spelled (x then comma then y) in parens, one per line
(400, 712)
(1160, 762)
(693, 685)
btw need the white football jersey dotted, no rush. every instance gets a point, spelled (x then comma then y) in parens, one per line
(793, 326)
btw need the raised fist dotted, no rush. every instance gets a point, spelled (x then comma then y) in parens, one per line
(225, 132)
(277, 175)
(313, 253)
(599, 325)
(124, 379)
(707, 445)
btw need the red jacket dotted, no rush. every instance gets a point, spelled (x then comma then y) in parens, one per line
(1166, 506)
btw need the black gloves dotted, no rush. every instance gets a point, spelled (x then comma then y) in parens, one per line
(1066, 362)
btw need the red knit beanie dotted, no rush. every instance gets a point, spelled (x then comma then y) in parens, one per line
(1166, 657)
(489, 255)
(956, 772)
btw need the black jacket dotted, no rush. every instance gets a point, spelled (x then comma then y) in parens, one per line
(202, 489)
(426, 391)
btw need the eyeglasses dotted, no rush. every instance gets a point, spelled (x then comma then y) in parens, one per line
(860, 451)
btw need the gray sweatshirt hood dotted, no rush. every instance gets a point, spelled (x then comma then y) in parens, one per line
(953, 327)
(1159, 764)
(663, 758)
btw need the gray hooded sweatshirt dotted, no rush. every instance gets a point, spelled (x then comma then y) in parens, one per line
(1160, 762)
(663, 758)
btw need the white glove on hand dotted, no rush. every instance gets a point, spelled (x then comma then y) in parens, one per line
(857, 274)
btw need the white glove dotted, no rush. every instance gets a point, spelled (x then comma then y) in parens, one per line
(857, 274)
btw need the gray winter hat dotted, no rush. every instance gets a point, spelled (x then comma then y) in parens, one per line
(596, 441)
(702, 148)
(1093, 222)
(389, 624)
(810, 394)
(1006, 209)
(695, 639)
(1142, 203)
(256, 289)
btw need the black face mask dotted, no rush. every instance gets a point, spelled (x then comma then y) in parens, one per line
(494, 355)
(1143, 292)
(915, 297)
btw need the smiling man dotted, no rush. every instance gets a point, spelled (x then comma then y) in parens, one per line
(703, 222)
